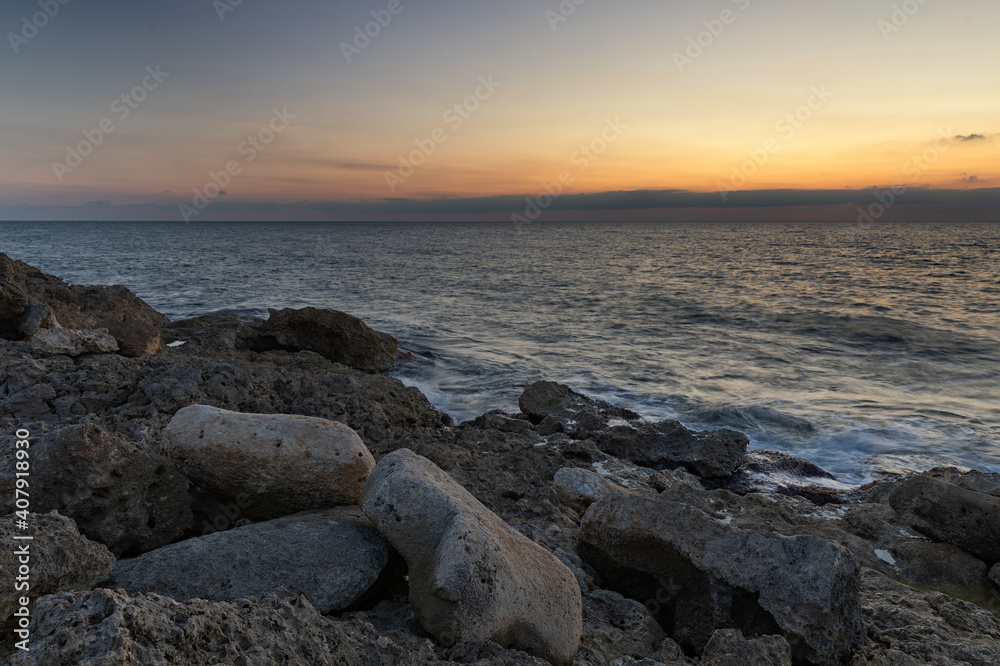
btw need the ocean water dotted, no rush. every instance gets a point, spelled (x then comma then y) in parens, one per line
(858, 349)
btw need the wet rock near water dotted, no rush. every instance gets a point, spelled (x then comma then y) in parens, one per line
(334, 335)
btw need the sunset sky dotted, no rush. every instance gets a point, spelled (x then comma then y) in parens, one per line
(825, 98)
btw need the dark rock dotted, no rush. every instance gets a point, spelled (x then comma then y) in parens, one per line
(13, 300)
(332, 557)
(38, 316)
(907, 626)
(119, 494)
(706, 574)
(950, 514)
(562, 409)
(995, 575)
(728, 647)
(331, 334)
(779, 473)
(134, 336)
(668, 444)
(939, 565)
(60, 559)
(615, 627)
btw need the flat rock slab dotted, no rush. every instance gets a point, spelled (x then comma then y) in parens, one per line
(944, 512)
(332, 557)
(472, 577)
(69, 342)
(284, 464)
(59, 557)
(707, 574)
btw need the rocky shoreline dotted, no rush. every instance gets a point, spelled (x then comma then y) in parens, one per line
(227, 490)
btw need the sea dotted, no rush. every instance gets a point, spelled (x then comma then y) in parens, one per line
(865, 350)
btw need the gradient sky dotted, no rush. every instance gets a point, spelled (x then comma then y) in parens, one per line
(893, 96)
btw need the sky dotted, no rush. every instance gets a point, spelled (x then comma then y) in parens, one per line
(524, 110)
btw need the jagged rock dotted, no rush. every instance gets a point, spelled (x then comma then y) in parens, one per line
(332, 557)
(558, 408)
(70, 342)
(579, 488)
(331, 334)
(615, 627)
(938, 565)
(668, 478)
(907, 626)
(114, 628)
(119, 494)
(283, 463)
(75, 306)
(134, 336)
(13, 300)
(728, 647)
(774, 472)
(472, 577)
(995, 574)
(37, 316)
(707, 574)
(950, 514)
(59, 559)
(668, 444)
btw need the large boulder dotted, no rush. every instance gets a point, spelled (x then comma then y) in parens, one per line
(332, 334)
(120, 494)
(332, 557)
(70, 342)
(115, 628)
(134, 336)
(702, 574)
(77, 306)
(471, 576)
(283, 463)
(58, 559)
(950, 514)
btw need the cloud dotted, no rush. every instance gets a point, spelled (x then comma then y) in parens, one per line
(971, 137)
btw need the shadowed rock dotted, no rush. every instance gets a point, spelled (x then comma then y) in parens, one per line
(331, 334)
(472, 577)
(69, 342)
(134, 336)
(283, 463)
(729, 647)
(332, 557)
(59, 557)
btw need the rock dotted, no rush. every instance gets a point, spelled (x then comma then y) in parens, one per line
(728, 647)
(947, 513)
(668, 444)
(774, 472)
(614, 627)
(134, 336)
(112, 627)
(705, 574)
(36, 317)
(472, 577)
(938, 565)
(565, 410)
(579, 488)
(995, 575)
(283, 463)
(70, 342)
(13, 300)
(668, 478)
(908, 626)
(332, 557)
(331, 334)
(76, 306)
(119, 494)
(60, 559)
